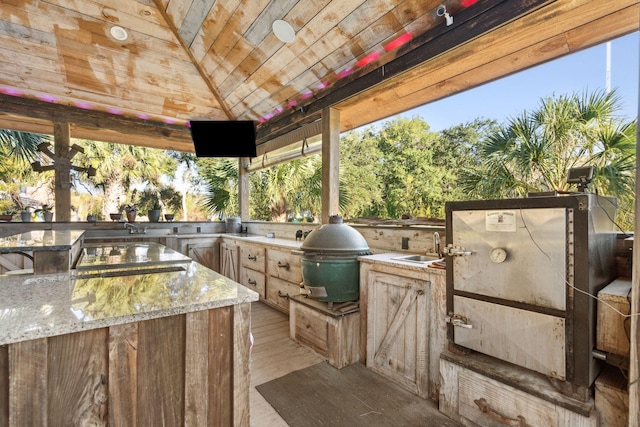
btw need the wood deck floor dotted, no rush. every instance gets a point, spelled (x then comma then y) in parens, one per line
(274, 355)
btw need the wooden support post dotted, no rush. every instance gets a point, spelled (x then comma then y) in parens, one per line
(61, 136)
(243, 189)
(634, 362)
(330, 163)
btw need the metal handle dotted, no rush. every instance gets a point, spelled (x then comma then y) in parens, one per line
(252, 257)
(252, 282)
(486, 409)
(281, 295)
(284, 265)
(459, 321)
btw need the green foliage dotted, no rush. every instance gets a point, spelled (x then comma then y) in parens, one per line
(534, 152)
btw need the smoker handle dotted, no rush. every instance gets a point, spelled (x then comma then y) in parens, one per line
(486, 409)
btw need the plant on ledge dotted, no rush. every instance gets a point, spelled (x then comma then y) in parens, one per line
(47, 212)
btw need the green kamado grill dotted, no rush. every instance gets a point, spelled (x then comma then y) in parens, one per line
(330, 267)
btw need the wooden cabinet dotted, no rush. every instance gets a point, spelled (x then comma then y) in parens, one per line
(284, 274)
(334, 335)
(481, 391)
(403, 327)
(186, 369)
(252, 268)
(229, 265)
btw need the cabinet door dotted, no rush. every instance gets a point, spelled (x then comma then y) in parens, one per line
(229, 260)
(205, 254)
(398, 329)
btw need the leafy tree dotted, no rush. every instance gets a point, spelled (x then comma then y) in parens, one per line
(534, 151)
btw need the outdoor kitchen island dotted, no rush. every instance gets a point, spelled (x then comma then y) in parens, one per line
(152, 344)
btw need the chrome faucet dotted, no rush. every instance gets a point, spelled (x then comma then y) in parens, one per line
(436, 243)
(134, 229)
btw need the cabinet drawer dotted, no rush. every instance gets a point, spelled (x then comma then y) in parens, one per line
(284, 265)
(253, 280)
(278, 292)
(253, 257)
(310, 329)
(486, 402)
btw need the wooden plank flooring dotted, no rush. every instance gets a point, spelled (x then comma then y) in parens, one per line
(274, 355)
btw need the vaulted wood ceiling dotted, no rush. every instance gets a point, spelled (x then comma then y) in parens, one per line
(219, 59)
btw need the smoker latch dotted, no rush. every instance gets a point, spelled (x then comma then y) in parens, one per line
(452, 250)
(459, 321)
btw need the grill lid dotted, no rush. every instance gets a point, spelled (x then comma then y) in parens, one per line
(335, 238)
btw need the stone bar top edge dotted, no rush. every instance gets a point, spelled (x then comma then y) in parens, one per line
(42, 306)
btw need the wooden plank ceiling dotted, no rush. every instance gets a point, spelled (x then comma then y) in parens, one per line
(220, 60)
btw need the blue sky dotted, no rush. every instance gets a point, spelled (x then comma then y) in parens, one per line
(510, 96)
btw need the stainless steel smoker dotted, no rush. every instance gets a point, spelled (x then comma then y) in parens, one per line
(520, 276)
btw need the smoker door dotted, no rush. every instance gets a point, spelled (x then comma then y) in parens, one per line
(534, 270)
(523, 337)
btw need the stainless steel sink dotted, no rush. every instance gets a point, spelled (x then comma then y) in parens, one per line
(423, 259)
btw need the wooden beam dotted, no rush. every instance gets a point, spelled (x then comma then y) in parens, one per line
(243, 189)
(470, 23)
(61, 138)
(634, 339)
(98, 121)
(330, 163)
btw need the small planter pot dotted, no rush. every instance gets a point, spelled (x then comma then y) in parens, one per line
(154, 215)
(25, 216)
(131, 216)
(47, 216)
(92, 218)
(6, 217)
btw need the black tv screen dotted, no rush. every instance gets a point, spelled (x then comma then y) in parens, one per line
(224, 138)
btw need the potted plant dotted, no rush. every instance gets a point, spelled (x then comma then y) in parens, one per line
(154, 212)
(131, 210)
(25, 214)
(7, 214)
(47, 212)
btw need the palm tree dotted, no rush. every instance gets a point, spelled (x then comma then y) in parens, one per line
(276, 192)
(121, 167)
(18, 150)
(534, 152)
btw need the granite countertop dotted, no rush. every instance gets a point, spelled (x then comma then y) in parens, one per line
(40, 306)
(40, 240)
(388, 259)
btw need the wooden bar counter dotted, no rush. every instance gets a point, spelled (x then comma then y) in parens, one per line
(167, 345)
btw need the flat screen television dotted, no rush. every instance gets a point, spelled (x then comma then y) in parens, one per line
(224, 138)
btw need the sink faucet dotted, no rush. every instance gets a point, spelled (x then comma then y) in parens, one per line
(436, 242)
(134, 229)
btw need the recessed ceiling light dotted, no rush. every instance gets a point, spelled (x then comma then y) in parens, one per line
(119, 33)
(283, 31)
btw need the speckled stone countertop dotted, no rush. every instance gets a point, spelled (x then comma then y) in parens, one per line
(40, 240)
(41, 306)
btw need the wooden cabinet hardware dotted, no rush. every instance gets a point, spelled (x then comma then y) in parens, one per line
(284, 265)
